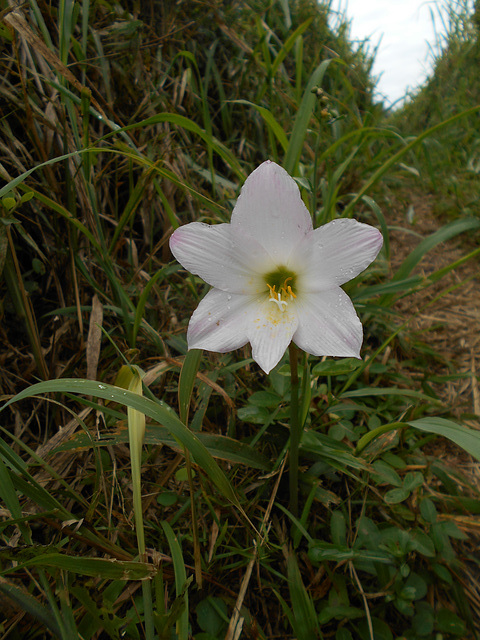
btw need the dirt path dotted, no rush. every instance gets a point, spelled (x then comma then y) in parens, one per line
(451, 324)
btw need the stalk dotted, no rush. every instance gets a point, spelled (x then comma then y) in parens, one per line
(136, 432)
(295, 429)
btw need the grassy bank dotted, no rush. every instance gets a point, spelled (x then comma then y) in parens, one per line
(119, 124)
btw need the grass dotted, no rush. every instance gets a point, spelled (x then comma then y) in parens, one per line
(451, 89)
(118, 125)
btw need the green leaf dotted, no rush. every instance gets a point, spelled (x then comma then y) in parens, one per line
(10, 499)
(212, 616)
(186, 381)
(338, 528)
(304, 113)
(221, 447)
(321, 551)
(9, 203)
(388, 391)
(381, 630)
(413, 480)
(386, 473)
(105, 569)
(256, 415)
(306, 621)
(340, 612)
(336, 367)
(181, 582)
(453, 531)
(396, 157)
(167, 498)
(29, 604)
(270, 121)
(423, 620)
(158, 411)
(265, 399)
(443, 573)
(428, 510)
(466, 438)
(446, 232)
(449, 622)
(414, 588)
(334, 453)
(422, 543)
(395, 496)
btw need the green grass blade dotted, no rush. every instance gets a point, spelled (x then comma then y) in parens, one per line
(302, 119)
(189, 125)
(443, 234)
(10, 499)
(158, 411)
(29, 604)
(270, 121)
(142, 301)
(289, 43)
(406, 149)
(305, 619)
(188, 375)
(181, 582)
(464, 437)
(105, 569)
(221, 447)
(382, 222)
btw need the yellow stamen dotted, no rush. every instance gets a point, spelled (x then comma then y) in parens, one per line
(280, 297)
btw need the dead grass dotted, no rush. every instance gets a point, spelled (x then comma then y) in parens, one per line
(449, 325)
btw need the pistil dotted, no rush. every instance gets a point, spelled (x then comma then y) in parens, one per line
(282, 297)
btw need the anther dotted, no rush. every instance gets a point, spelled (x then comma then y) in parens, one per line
(277, 298)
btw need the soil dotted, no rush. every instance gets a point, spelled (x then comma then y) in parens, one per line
(450, 323)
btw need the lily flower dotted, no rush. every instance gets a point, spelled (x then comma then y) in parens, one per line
(275, 278)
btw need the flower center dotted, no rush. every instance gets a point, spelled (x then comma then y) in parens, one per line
(281, 285)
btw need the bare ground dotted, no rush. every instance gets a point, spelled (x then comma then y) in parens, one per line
(450, 323)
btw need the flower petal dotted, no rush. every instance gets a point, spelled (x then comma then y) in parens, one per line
(227, 262)
(337, 252)
(271, 210)
(270, 332)
(219, 322)
(328, 324)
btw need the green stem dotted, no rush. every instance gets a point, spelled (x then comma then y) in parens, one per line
(136, 436)
(295, 429)
(139, 529)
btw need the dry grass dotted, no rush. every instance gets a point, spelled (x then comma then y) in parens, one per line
(447, 321)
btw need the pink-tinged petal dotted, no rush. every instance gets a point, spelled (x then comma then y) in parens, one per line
(328, 324)
(271, 210)
(270, 331)
(227, 262)
(336, 253)
(219, 322)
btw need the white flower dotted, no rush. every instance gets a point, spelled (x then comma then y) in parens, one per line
(275, 277)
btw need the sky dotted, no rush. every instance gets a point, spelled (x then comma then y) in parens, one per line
(403, 30)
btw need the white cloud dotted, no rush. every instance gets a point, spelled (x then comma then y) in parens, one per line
(403, 31)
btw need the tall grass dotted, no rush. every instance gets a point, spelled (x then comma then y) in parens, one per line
(449, 160)
(121, 123)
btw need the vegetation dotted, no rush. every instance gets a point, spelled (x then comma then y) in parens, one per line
(450, 160)
(120, 122)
